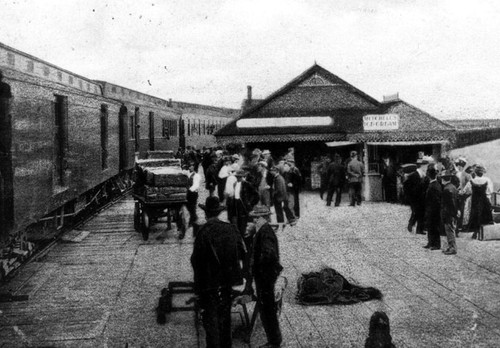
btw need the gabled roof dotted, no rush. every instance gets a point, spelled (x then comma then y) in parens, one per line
(314, 92)
(412, 118)
(317, 92)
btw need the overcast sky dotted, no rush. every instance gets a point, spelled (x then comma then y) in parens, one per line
(441, 56)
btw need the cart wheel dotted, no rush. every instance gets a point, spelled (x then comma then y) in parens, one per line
(145, 225)
(183, 219)
(137, 216)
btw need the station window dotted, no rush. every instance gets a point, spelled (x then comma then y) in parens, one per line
(70, 80)
(104, 136)
(59, 76)
(46, 71)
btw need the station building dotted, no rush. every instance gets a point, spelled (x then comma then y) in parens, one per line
(318, 113)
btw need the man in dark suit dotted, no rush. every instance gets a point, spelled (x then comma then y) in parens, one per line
(433, 210)
(293, 179)
(355, 172)
(217, 256)
(266, 269)
(415, 187)
(336, 179)
(449, 209)
(280, 199)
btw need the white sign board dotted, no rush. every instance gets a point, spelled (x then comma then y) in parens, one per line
(380, 122)
(304, 121)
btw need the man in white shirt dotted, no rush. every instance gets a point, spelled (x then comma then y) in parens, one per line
(192, 193)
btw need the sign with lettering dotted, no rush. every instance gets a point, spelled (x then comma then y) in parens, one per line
(304, 121)
(380, 122)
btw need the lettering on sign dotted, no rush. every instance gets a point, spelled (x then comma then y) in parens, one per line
(381, 122)
(305, 121)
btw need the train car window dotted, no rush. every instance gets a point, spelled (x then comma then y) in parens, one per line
(164, 128)
(11, 59)
(31, 66)
(104, 137)
(174, 128)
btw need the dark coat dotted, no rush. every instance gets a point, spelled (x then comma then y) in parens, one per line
(249, 196)
(449, 203)
(433, 203)
(217, 252)
(266, 257)
(415, 188)
(336, 174)
(279, 188)
(211, 176)
(294, 178)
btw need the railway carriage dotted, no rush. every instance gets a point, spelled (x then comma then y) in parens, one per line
(69, 143)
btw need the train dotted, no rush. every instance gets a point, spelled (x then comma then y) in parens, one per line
(68, 142)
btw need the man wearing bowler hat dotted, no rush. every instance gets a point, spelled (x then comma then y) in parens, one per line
(266, 269)
(217, 259)
(449, 210)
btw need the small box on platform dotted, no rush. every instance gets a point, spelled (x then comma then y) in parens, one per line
(490, 232)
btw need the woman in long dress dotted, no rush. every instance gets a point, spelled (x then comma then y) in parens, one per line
(480, 212)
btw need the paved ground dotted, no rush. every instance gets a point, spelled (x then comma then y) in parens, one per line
(101, 291)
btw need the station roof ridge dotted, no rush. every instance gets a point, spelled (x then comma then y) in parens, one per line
(386, 106)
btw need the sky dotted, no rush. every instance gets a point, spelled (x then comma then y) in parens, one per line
(442, 56)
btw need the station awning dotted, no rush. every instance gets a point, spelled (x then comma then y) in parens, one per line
(406, 143)
(339, 143)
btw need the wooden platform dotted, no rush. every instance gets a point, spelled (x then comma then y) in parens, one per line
(99, 288)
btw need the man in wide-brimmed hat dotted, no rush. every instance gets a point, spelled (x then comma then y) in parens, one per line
(449, 211)
(218, 252)
(266, 269)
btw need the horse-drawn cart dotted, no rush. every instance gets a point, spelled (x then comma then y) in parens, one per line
(160, 191)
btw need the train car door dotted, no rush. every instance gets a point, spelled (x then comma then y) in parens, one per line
(123, 137)
(6, 170)
(151, 131)
(182, 136)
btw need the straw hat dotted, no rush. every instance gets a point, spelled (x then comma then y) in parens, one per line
(260, 210)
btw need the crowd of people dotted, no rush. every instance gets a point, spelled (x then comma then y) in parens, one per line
(447, 197)
(230, 257)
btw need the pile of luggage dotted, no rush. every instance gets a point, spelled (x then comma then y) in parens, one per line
(160, 180)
